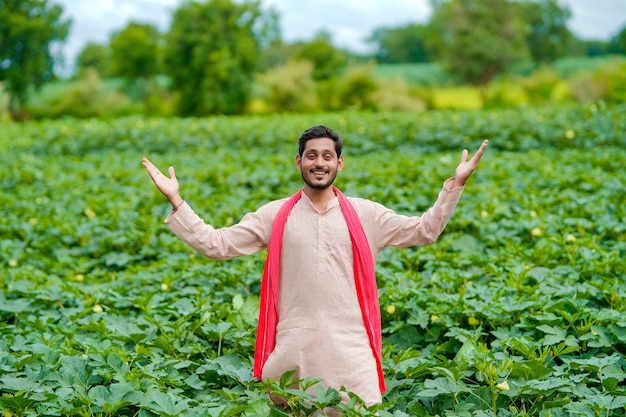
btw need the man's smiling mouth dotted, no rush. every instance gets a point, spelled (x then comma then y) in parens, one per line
(319, 172)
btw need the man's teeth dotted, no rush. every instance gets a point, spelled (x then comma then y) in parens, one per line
(319, 172)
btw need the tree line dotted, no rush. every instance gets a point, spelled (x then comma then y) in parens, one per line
(214, 49)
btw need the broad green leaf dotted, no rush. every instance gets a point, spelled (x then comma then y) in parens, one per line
(17, 384)
(117, 364)
(600, 337)
(549, 385)
(122, 327)
(16, 402)
(467, 244)
(613, 371)
(113, 397)
(18, 305)
(237, 301)
(228, 365)
(466, 355)
(618, 403)
(194, 382)
(164, 403)
(554, 335)
(439, 386)
(274, 412)
(326, 397)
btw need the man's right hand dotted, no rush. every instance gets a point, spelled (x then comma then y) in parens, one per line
(168, 186)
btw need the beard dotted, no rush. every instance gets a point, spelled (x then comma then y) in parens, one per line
(318, 185)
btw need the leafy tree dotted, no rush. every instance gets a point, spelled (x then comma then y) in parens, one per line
(83, 97)
(278, 54)
(477, 39)
(28, 28)
(274, 52)
(268, 31)
(617, 45)
(401, 44)
(549, 36)
(594, 48)
(358, 87)
(135, 56)
(211, 54)
(96, 56)
(327, 60)
(588, 48)
(135, 51)
(290, 87)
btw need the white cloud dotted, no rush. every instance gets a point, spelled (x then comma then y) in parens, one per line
(597, 19)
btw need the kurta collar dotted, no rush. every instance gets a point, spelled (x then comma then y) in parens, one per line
(334, 202)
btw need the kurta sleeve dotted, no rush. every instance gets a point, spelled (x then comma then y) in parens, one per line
(403, 231)
(250, 235)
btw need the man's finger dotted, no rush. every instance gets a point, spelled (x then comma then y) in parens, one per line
(152, 170)
(148, 165)
(480, 151)
(172, 173)
(483, 146)
(464, 155)
(146, 162)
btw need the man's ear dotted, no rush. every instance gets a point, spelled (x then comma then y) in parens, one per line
(340, 163)
(298, 162)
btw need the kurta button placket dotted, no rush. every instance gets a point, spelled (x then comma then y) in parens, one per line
(320, 242)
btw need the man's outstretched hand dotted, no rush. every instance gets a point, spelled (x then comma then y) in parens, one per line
(465, 168)
(168, 186)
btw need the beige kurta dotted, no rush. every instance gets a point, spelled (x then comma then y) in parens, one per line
(320, 331)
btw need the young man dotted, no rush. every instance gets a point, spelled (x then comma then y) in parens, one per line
(319, 309)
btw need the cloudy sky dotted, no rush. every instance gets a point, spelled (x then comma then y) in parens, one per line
(349, 21)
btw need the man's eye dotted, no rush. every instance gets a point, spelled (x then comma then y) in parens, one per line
(328, 157)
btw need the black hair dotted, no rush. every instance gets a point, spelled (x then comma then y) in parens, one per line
(317, 132)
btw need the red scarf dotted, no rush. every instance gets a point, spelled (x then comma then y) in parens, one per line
(364, 277)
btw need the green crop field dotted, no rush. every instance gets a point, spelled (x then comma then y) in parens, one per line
(518, 310)
(426, 74)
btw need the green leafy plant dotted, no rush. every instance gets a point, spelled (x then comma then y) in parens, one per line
(518, 310)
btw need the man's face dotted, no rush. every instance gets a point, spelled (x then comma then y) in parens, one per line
(319, 163)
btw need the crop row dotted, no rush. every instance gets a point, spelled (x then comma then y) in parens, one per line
(519, 309)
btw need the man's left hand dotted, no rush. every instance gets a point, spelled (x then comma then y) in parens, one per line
(465, 168)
